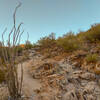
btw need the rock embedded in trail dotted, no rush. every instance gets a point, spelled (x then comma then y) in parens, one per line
(44, 70)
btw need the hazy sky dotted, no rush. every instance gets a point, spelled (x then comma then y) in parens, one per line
(41, 17)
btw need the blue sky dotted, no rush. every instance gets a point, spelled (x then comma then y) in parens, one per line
(41, 17)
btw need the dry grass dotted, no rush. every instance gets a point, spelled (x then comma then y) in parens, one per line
(92, 58)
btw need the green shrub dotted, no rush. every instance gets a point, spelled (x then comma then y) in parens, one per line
(19, 49)
(91, 58)
(69, 42)
(93, 34)
(28, 45)
(47, 41)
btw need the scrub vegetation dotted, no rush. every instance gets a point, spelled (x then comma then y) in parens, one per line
(81, 49)
(86, 43)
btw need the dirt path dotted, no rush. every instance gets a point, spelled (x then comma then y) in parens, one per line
(29, 84)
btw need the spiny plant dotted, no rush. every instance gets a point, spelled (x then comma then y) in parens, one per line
(9, 53)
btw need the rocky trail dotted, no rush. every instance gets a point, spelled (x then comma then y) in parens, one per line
(29, 84)
(61, 80)
(50, 79)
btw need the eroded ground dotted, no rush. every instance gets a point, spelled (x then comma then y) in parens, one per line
(62, 80)
(53, 79)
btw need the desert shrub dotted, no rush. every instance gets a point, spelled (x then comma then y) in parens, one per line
(80, 36)
(2, 76)
(93, 34)
(35, 45)
(28, 45)
(47, 41)
(69, 42)
(91, 58)
(7, 53)
(19, 50)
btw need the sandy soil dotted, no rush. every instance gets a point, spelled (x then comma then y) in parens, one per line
(29, 84)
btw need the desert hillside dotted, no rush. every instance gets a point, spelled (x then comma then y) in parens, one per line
(66, 68)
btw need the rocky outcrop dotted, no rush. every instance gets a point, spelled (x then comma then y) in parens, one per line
(61, 79)
(65, 81)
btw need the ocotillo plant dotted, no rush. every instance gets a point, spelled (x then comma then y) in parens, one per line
(9, 51)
